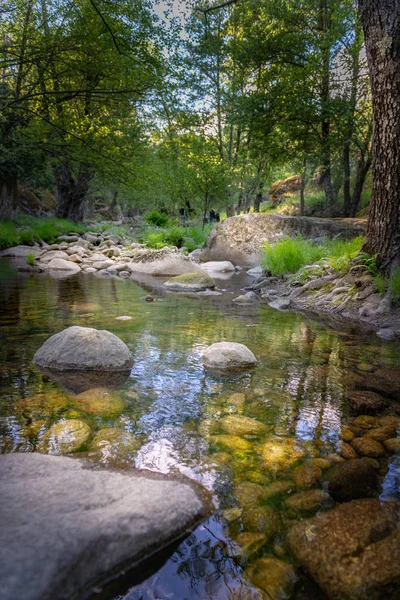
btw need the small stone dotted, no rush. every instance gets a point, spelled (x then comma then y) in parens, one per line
(280, 454)
(321, 463)
(273, 576)
(392, 445)
(100, 402)
(380, 434)
(386, 334)
(390, 422)
(365, 422)
(346, 451)
(262, 519)
(366, 403)
(232, 442)
(241, 426)
(112, 443)
(249, 494)
(368, 447)
(346, 434)
(306, 475)
(231, 514)
(64, 437)
(250, 543)
(353, 479)
(305, 504)
(123, 318)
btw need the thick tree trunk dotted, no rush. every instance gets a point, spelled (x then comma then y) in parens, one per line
(71, 193)
(381, 23)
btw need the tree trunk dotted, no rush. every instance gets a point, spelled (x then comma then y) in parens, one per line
(346, 179)
(363, 166)
(381, 23)
(8, 197)
(71, 193)
(303, 185)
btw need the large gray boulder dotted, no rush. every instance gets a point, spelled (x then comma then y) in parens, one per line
(162, 263)
(59, 264)
(228, 356)
(240, 239)
(352, 551)
(84, 348)
(67, 528)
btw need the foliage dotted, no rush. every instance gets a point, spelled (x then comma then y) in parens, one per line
(156, 218)
(30, 259)
(289, 255)
(394, 286)
(190, 237)
(27, 230)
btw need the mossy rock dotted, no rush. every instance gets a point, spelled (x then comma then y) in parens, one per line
(273, 576)
(239, 425)
(64, 437)
(112, 443)
(232, 443)
(100, 402)
(42, 405)
(191, 282)
(280, 454)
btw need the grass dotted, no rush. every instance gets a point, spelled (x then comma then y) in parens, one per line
(190, 237)
(27, 230)
(30, 259)
(289, 255)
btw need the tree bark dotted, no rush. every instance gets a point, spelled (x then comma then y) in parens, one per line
(363, 166)
(381, 23)
(71, 192)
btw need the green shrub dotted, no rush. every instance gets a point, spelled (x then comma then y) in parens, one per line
(8, 235)
(153, 238)
(340, 253)
(289, 255)
(174, 236)
(394, 286)
(156, 218)
(30, 259)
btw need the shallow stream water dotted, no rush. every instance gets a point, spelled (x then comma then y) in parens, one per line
(177, 411)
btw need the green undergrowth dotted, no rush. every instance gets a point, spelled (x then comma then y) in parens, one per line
(188, 237)
(289, 255)
(27, 230)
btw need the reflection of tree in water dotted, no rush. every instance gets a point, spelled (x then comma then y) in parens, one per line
(70, 291)
(201, 568)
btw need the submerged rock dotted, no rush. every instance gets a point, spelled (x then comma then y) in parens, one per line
(262, 519)
(232, 443)
(352, 551)
(368, 447)
(273, 576)
(82, 527)
(84, 348)
(111, 443)
(304, 504)
(228, 356)
(64, 437)
(306, 475)
(353, 479)
(238, 425)
(366, 403)
(192, 282)
(250, 543)
(101, 402)
(280, 454)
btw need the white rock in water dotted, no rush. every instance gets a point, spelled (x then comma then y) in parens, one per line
(59, 264)
(222, 266)
(227, 356)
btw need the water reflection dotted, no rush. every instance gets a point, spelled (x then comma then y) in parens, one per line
(172, 414)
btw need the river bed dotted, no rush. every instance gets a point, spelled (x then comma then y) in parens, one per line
(177, 412)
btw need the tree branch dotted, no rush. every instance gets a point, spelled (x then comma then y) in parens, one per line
(207, 10)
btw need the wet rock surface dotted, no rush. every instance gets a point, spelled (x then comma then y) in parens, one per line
(353, 479)
(195, 282)
(82, 526)
(352, 551)
(84, 348)
(228, 356)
